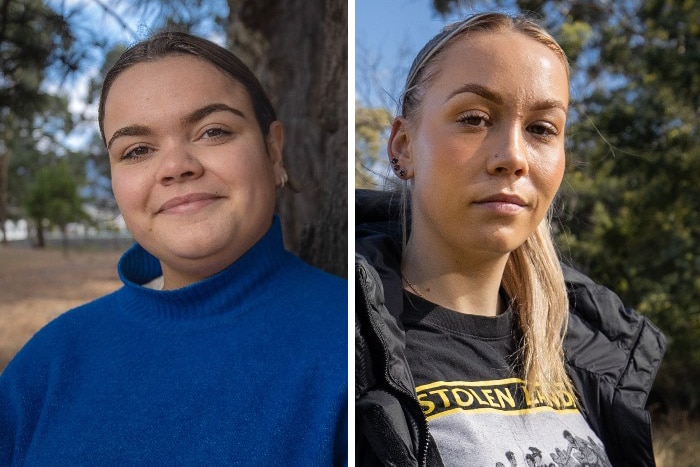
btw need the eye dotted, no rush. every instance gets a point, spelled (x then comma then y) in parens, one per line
(543, 129)
(136, 153)
(474, 118)
(215, 133)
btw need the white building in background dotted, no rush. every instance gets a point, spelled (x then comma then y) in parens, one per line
(18, 230)
(105, 225)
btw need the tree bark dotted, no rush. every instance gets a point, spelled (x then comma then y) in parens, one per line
(298, 49)
(4, 179)
(64, 239)
(40, 241)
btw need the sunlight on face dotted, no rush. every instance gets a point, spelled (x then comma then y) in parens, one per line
(486, 149)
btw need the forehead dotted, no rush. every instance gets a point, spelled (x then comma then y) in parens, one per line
(159, 94)
(171, 83)
(510, 60)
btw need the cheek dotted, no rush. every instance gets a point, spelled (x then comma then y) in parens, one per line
(547, 174)
(558, 172)
(253, 172)
(438, 154)
(125, 187)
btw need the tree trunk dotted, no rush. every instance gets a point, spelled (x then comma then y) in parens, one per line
(4, 180)
(40, 242)
(298, 49)
(64, 239)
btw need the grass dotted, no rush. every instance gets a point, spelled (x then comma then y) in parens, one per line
(38, 285)
(676, 440)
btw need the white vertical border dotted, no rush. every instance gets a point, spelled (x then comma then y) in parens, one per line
(351, 232)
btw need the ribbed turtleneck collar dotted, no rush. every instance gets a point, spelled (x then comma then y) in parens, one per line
(238, 285)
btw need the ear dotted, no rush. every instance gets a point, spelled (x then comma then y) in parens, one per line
(399, 149)
(275, 145)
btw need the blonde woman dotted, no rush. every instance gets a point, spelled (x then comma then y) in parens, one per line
(473, 347)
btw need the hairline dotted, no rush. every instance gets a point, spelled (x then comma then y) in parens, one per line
(426, 68)
(146, 55)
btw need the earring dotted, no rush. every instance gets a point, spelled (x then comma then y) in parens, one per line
(397, 168)
(399, 171)
(285, 179)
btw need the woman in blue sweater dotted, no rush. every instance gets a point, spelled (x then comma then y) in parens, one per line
(221, 348)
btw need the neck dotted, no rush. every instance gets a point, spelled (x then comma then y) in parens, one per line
(468, 284)
(176, 278)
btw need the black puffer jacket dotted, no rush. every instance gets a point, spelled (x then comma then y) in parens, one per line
(612, 354)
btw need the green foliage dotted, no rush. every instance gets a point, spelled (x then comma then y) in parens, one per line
(444, 7)
(53, 197)
(629, 203)
(32, 38)
(573, 38)
(33, 144)
(34, 41)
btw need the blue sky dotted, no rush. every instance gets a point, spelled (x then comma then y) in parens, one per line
(388, 34)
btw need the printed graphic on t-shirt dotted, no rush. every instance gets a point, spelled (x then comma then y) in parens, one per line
(505, 423)
(575, 451)
(507, 395)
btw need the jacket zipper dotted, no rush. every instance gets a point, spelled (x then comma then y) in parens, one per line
(413, 402)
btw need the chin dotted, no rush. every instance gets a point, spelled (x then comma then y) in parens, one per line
(193, 251)
(499, 243)
(183, 246)
(197, 262)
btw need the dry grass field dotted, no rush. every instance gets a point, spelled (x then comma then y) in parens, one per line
(36, 286)
(676, 440)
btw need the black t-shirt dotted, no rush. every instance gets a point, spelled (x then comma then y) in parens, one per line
(479, 410)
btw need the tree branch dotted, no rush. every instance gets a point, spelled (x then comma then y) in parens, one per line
(107, 9)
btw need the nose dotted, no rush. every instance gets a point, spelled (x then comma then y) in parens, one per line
(510, 157)
(178, 164)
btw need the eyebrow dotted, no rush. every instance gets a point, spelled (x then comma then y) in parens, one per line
(201, 113)
(131, 130)
(192, 117)
(492, 96)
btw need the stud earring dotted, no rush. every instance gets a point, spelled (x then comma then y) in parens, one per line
(399, 171)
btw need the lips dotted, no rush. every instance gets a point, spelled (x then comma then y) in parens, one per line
(503, 204)
(503, 198)
(193, 200)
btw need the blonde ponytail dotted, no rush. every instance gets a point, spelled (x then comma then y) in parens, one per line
(534, 281)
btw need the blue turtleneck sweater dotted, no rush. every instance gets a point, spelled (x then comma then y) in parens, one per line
(247, 367)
